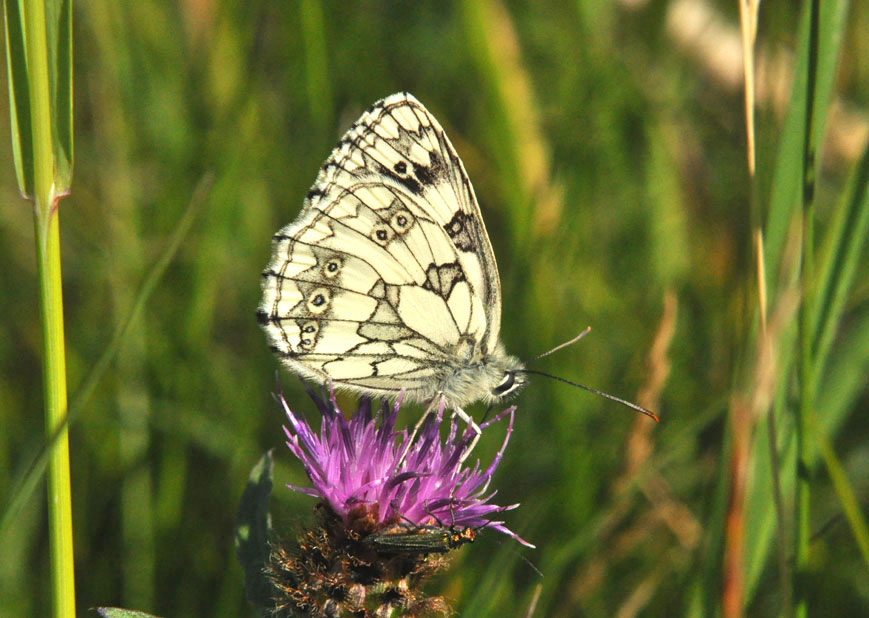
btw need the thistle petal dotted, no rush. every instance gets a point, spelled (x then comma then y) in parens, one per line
(355, 462)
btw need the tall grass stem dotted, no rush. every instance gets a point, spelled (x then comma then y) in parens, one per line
(40, 84)
(805, 409)
(54, 375)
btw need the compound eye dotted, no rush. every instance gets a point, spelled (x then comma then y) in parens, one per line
(506, 384)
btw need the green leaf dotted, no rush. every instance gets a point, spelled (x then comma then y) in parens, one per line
(252, 530)
(58, 27)
(19, 97)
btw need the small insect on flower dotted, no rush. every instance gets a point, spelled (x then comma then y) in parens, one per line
(408, 538)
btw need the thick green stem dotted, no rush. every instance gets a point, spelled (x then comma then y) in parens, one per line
(51, 311)
(54, 374)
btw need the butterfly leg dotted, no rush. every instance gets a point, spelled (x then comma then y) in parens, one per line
(432, 408)
(472, 426)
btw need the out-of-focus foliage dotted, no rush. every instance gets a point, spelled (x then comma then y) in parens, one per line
(606, 145)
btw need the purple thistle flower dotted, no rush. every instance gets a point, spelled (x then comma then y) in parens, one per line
(354, 467)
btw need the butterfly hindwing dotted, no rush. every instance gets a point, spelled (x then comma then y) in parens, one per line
(387, 276)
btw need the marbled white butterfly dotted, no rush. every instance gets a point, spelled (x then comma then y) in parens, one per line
(387, 280)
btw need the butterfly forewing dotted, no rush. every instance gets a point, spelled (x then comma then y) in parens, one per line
(397, 144)
(387, 277)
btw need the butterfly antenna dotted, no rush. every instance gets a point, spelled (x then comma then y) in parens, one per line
(630, 405)
(562, 345)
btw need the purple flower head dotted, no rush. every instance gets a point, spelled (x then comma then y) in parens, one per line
(354, 467)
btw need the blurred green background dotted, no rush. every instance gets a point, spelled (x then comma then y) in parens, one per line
(606, 143)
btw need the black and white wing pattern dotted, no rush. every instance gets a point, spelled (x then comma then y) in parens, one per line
(387, 279)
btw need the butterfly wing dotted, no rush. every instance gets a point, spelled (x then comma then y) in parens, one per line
(387, 278)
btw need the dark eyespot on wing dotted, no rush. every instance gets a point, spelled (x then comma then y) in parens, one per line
(309, 334)
(382, 234)
(407, 180)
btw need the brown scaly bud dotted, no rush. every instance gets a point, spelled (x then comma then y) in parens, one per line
(334, 571)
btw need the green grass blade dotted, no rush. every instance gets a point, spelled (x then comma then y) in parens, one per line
(806, 362)
(845, 242)
(19, 98)
(57, 28)
(784, 200)
(253, 529)
(59, 34)
(844, 246)
(787, 172)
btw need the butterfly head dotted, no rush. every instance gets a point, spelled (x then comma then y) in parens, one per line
(503, 376)
(512, 381)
